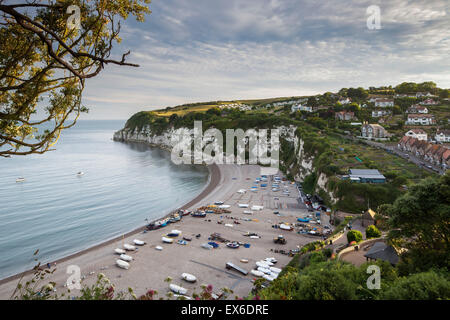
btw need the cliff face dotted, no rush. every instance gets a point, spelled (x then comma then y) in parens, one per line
(299, 165)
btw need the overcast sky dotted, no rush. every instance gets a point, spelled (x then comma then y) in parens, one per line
(202, 50)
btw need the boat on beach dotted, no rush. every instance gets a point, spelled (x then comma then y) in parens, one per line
(129, 247)
(166, 240)
(119, 251)
(199, 214)
(174, 233)
(138, 242)
(188, 277)
(122, 264)
(177, 289)
(233, 245)
(125, 257)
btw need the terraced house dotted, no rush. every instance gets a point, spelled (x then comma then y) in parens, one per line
(438, 155)
(420, 119)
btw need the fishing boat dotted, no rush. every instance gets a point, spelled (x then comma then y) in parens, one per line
(184, 212)
(175, 218)
(138, 242)
(80, 173)
(257, 273)
(262, 264)
(273, 260)
(263, 270)
(188, 277)
(125, 257)
(182, 242)
(224, 206)
(243, 205)
(129, 247)
(166, 240)
(268, 278)
(218, 203)
(244, 260)
(174, 233)
(20, 180)
(257, 208)
(247, 212)
(285, 227)
(177, 289)
(159, 248)
(275, 270)
(119, 251)
(233, 245)
(199, 214)
(122, 264)
(207, 246)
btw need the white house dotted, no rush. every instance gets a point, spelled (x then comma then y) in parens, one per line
(384, 102)
(344, 101)
(419, 134)
(416, 108)
(429, 102)
(442, 136)
(380, 113)
(301, 107)
(421, 119)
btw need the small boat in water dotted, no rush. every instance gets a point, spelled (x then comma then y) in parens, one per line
(80, 173)
(20, 180)
(122, 264)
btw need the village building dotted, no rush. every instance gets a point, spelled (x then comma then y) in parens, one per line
(436, 154)
(345, 101)
(419, 134)
(417, 108)
(301, 107)
(380, 113)
(442, 136)
(383, 102)
(368, 218)
(382, 251)
(344, 115)
(429, 102)
(373, 131)
(420, 119)
(366, 176)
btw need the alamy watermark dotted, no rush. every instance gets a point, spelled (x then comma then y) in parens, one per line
(196, 147)
(74, 20)
(374, 281)
(374, 19)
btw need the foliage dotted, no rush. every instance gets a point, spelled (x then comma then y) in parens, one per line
(354, 235)
(372, 232)
(420, 221)
(45, 62)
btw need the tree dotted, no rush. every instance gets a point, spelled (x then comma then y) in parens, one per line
(47, 52)
(420, 221)
(312, 102)
(372, 232)
(354, 235)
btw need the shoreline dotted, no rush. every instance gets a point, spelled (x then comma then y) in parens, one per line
(213, 179)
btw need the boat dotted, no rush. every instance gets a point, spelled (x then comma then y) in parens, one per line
(159, 248)
(218, 203)
(166, 240)
(207, 246)
(182, 242)
(273, 260)
(181, 297)
(188, 277)
(184, 212)
(285, 227)
(233, 245)
(254, 237)
(262, 264)
(174, 233)
(125, 257)
(129, 247)
(266, 262)
(264, 270)
(122, 264)
(80, 173)
(275, 270)
(241, 191)
(268, 278)
(244, 260)
(138, 242)
(175, 218)
(187, 239)
(243, 205)
(119, 251)
(228, 225)
(248, 212)
(257, 208)
(224, 206)
(199, 214)
(177, 289)
(257, 273)
(20, 180)
(303, 219)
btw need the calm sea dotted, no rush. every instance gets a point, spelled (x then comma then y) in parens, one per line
(60, 213)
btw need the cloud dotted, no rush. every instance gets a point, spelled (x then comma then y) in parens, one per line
(220, 50)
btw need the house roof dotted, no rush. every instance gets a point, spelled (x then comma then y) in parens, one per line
(414, 115)
(445, 132)
(418, 131)
(384, 252)
(366, 173)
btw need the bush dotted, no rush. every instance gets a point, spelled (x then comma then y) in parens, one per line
(354, 235)
(372, 232)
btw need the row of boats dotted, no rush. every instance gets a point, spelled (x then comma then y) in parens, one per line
(124, 259)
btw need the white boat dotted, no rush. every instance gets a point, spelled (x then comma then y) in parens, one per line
(218, 203)
(20, 180)
(159, 248)
(268, 278)
(243, 205)
(119, 251)
(276, 270)
(175, 233)
(129, 247)
(177, 289)
(207, 246)
(285, 226)
(138, 242)
(241, 191)
(228, 225)
(248, 212)
(182, 297)
(188, 277)
(264, 270)
(262, 264)
(254, 237)
(244, 260)
(166, 240)
(273, 260)
(224, 206)
(257, 208)
(125, 257)
(122, 264)
(80, 173)
(257, 273)
(266, 262)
